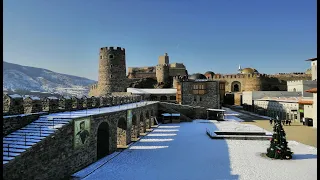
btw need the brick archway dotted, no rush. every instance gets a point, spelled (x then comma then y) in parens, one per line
(235, 86)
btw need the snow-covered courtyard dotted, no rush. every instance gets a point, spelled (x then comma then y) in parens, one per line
(184, 152)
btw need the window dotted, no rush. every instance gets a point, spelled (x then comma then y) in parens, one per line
(111, 56)
(199, 88)
(200, 99)
(100, 57)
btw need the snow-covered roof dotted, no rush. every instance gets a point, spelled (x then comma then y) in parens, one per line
(32, 97)
(152, 91)
(221, 110)
(52, 97)
(15, 96)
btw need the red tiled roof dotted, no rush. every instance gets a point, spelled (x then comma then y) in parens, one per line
(313, 90)
(302, 101)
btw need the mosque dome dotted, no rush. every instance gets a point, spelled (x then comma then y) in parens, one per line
(248, 71)
(197, 76)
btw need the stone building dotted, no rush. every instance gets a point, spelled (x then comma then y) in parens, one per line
(197, 90)
(12, 104)
(112, 72)
(301, 86)
(32, 104)
(50, 104)
(283, 107)
(163, 72)
(314, 106)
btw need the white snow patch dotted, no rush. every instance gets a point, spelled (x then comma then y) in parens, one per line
(161, 134)
(168, 126)
(148, 147)
(155, 140)
(165, 130)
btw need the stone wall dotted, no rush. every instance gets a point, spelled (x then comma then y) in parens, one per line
(55, 157)
(210, 99)
(15, 122)
(189, 111)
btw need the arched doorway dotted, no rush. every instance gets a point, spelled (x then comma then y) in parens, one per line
(148, 120)
(135, 128)
(235, 86)
(142, 125)
(122, 132)
(103, 136)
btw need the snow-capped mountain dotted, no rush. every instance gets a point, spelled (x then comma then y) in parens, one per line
(17, 77)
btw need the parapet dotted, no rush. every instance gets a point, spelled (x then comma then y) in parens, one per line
(103, 49)
(296, 82)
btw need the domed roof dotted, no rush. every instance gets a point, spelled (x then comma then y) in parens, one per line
(248, 71)
(197, 76)
(210, 72)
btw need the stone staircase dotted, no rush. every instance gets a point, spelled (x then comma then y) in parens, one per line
(21, 140)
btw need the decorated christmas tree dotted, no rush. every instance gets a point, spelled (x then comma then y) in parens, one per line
(278, 144)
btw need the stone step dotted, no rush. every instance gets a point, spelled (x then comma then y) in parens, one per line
(33, 131)
(14, 150)
(10, 154)
(19, 143)
(5, 145)
(21, 139)
(35, 136)
(248, 133)
(7, 158)
(240, 137)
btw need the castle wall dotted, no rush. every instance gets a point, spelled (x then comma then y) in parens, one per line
(112, 70)
(301, 86)
(177, 72)
(56, 156)
(162, 73)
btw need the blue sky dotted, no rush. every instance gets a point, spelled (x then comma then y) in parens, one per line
(217, 35)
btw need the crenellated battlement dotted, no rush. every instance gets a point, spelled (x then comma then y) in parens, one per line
(103, 49)
(301, 82)
(94, 86)
(13, 105)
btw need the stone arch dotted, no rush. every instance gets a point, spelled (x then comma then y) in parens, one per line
(163, 98)
(122, 132)
(142, 124)
(235, 86)
(294, 89)
(134, 128)
(103, 140)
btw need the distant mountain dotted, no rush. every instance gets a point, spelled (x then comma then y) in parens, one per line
(17, 77)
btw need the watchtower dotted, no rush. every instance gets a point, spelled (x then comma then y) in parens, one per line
(163, 59)
(162, 73)
(112, 70)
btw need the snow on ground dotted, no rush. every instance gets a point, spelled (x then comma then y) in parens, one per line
(236, 126)
(230, 115)
(191, 155)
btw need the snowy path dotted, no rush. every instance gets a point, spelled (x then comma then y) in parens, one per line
(185, 153)
(19, 141)
(188, 154)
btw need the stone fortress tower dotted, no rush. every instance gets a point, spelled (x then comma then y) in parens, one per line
(112, 72)
(162, 69)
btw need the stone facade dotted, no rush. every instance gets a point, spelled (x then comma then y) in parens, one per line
(112, 72)
(12, 104)
(199, 93)
(32, 104)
